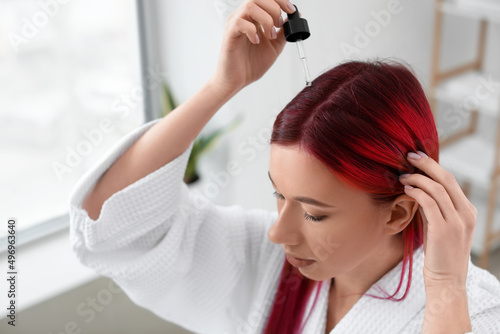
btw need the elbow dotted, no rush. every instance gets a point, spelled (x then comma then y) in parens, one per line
(92, 206)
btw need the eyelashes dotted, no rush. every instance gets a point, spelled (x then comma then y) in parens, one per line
(279, 196)
(313, 218)
(306, 216)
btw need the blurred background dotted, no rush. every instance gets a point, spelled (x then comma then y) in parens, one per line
(76, 76)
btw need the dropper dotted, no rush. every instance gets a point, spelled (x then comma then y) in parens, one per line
(296, 30)
(302, 55)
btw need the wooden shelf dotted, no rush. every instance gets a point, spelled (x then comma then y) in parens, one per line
(470, 159)
(480, 229)
(467, 88)
(462, 88)
(488, 10)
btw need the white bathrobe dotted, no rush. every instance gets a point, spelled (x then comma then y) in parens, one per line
(212, 269)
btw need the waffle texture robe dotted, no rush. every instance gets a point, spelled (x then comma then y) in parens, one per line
(211, 269)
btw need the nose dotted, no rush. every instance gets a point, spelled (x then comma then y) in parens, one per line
(286, 229)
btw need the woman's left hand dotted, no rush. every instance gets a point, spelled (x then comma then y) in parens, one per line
(449, 219)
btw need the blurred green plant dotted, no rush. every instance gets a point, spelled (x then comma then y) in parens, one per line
(203, 143)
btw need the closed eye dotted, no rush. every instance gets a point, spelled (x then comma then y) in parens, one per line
(278, 195)
(306, 216)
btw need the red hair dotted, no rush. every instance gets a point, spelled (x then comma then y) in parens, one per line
(360, 119)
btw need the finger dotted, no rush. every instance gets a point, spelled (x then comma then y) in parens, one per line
(272, 8)
(445, 178)
(473, 208)
(434, 190)
(242, 26)
(257, 14)
(424, 227)
(281, 37)
(429, 206)
(287, 6)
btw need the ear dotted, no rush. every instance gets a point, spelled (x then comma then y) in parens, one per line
(398, 215)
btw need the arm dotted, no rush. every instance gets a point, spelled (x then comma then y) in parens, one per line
(152, 150)
(243, 59)
(450, 310)
(449, 219)
(172, 251)
(446, 311)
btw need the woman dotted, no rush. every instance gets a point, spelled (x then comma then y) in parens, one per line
(338, 150)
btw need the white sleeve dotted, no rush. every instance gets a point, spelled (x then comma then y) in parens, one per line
(487, 321)
(484, 301)
(172, 251)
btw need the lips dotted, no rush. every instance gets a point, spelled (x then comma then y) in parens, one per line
(297, 262)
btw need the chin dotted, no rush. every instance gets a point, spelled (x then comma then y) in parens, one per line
(314, 273)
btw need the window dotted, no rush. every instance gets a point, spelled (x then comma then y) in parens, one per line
(71, 88)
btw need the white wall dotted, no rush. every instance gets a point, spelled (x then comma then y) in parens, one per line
(191, 34)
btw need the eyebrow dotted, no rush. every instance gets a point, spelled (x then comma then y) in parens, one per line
(302, 199)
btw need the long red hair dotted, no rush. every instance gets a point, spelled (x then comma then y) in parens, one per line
(360, 119)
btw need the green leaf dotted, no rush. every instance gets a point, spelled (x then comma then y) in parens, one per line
(201, 144)
(193, 161)
(167, 100)
(208, 142)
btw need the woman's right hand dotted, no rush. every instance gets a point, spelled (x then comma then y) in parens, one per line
(247, 52)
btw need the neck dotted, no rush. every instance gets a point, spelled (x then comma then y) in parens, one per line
(355, 283)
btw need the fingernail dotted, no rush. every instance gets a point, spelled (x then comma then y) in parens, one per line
(257, 38)
(422, 154)
(290, 6)
(273, 33)
(280, 21)
(414, 156)
(408, 187)
(402, 176)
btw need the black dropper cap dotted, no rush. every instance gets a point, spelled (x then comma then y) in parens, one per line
(296, 27)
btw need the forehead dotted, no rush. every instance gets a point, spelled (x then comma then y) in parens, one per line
(294, 160)
(295, 172)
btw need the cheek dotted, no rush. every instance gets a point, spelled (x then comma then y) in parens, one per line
(326, 245)
(344, 243)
